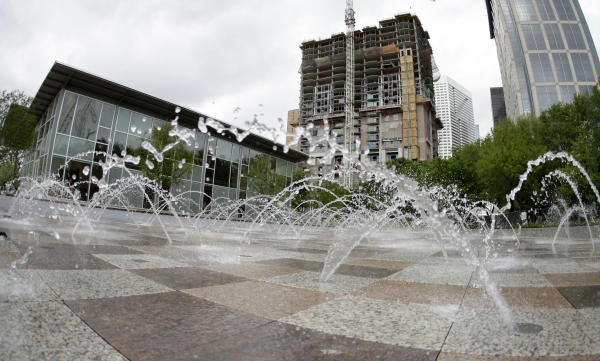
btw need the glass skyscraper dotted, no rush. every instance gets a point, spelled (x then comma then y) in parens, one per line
(545, 50)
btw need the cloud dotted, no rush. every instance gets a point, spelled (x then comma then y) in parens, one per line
(217, 56)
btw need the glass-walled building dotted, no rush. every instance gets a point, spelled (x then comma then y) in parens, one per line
(545, 50)
(83, 117)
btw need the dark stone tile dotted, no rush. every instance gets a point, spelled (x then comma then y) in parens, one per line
(445, 356)
(582, 297)
(279, 341)
(295, 263)
(185, 278)
(105, 249)
(7, 258)
(63, 257)
(364, 271)
(344, 269)
(304, 250)
(574, 279)
(164, 326)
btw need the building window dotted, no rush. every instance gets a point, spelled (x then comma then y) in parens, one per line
(563, 69)
(554, 38)
(564, 10)
(545, 9)
(547, 96)
(574, 37)
(542, 70)
(567, 92)
(534, 38)
(583, 67)
(525, 10)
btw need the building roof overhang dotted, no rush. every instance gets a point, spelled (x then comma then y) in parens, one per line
(63, 76)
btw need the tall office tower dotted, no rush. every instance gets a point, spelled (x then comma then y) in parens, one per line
(393, 96)
(454, 106)
(498, 104)
(545, 51)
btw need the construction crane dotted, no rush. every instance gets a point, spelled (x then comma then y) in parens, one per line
(349, 92)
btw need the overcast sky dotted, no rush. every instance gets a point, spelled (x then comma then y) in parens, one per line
(216, 56)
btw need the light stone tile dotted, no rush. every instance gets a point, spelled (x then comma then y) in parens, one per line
(571, 267)
(139, 261)
(435, 273)
(89, 284)
(561, 332)
(49, 331)
(514, 280)
(337, 284)
(411, 325)
(406, 255)
(23, 285)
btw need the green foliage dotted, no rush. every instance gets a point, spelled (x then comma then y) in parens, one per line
(173, 168)
(321, 191)
(262, 177)
(9, 98)
(6, 174)
(17, 134)
(490, 169)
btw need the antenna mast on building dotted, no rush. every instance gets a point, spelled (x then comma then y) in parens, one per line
(349, 91)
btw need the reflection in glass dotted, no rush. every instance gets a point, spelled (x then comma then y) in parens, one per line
(562, 66)
(81, 148)
(123, 120)
(224, 149)
(86, 118)
(222, 172)
(60, 144)
(547, 96)
(583, 67)
(66, 114)
(108, 113)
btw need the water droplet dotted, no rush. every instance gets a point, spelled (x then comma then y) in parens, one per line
(86, 170)
(149, 164)
(275, 147)
(74, 177)
(177, 110)
(123, 153)
(133, 128)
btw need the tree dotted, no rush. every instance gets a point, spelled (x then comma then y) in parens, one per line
(175, 164)
(17, 135)
(13, 97)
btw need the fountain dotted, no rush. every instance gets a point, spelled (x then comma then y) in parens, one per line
(404, 219)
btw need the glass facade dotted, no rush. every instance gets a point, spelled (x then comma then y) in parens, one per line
(76, 132)
(546, 53)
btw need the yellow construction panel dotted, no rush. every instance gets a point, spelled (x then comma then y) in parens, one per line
(413, 123)
(405, 133)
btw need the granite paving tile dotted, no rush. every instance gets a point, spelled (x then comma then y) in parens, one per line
(304, 250)
(261, 298)
(7, 258)
(63, 257)
(408, 292)
(337, 284)
(139, 261)
(545, 333)
(435, 273)
(444, 356)
(295, 263)
(23, 285)
(180, 278)
(85, 284)
(570, 267)
(405, 255)
(574, 279)
(107, 249)
(393, 323)
(582, 297)
(510, 265)
(48, 331)
(364, 271)
(252, 270)
(164, 326)
(370, 262)
(517, 297)
(279, 341)
(513, 280)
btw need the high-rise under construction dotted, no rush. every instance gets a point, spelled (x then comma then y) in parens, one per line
(394, 114)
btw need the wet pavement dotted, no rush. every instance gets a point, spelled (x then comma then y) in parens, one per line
(122, 292)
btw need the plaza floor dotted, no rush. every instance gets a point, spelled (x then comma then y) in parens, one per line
(125, 293)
